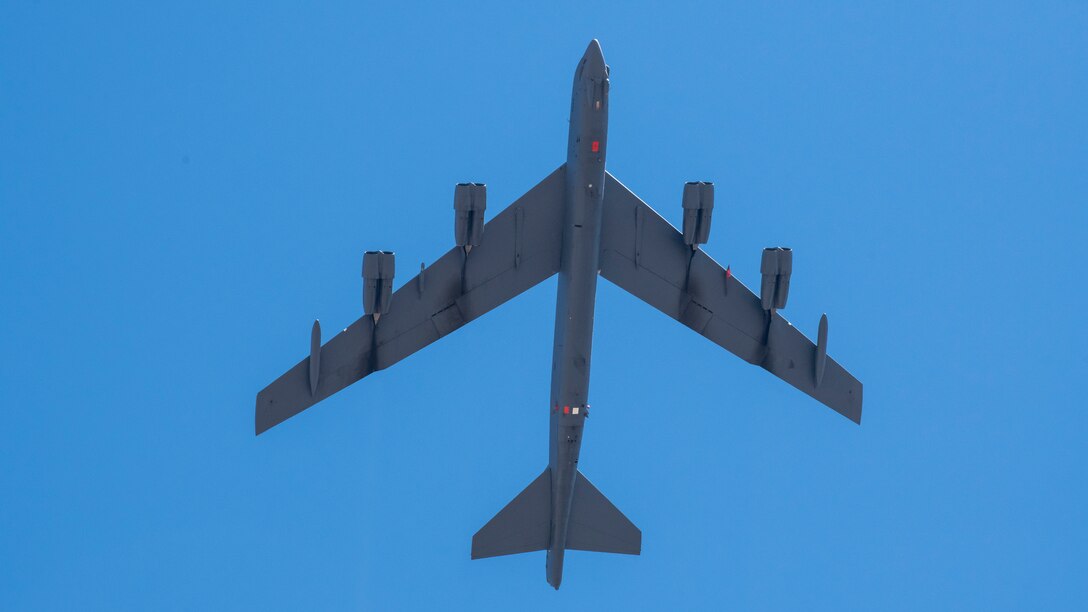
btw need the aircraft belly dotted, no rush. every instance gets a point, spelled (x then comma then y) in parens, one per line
(575, 301)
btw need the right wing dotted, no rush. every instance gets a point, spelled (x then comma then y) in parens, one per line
(520, 248)
(646, 256)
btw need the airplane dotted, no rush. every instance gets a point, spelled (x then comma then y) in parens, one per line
(580, 222)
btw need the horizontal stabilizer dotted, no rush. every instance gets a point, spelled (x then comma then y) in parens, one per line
(524, 525)
(596, 525)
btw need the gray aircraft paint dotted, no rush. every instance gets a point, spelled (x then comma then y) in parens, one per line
(577, 291)
(580, 222)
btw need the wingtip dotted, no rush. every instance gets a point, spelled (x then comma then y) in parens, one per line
(857, 418)
(261, 420)
(257, 417)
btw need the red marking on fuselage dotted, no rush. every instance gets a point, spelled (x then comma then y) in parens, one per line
(596, 146)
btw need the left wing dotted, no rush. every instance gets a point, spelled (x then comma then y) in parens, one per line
(645, 255)
(520, 248)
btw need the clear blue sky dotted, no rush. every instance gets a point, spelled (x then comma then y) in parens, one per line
(184, 188)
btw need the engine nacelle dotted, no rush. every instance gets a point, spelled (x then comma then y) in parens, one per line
(785, 270)
(776, 268)
(768, 268)
(469, 203)
(698, 205)
(378, 270)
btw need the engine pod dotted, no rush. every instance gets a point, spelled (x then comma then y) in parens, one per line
(698, 204)
(469, 204)
(768, 268)
(379, 268)
(785, 270)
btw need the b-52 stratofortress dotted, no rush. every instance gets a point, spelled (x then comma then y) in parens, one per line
(579, 222)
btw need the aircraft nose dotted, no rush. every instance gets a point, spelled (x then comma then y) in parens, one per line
(594, 49)
(593, 61)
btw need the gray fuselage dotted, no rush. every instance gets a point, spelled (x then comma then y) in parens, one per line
(577, 291)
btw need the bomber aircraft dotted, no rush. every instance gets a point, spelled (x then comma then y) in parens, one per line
(580, 222)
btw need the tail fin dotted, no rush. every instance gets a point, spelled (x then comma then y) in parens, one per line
(524, 525)
(597, 525)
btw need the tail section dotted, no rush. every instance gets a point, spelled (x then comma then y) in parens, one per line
(597, 525)
(524, 525)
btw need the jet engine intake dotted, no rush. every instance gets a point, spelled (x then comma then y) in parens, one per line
(469, 202)
(698, 205)
(378, 270)
(776, 268)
